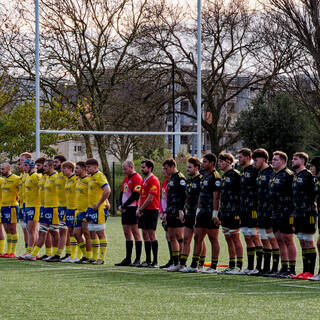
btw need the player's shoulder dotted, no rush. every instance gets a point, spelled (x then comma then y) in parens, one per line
(216, 174)
(288, 171)
(181, 176)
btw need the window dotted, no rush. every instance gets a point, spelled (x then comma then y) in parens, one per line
(77, 148)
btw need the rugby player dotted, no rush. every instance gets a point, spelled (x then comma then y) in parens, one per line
(304, 213)
(248, 210)
(270, 245)
(129, 198)
(315, 169)
(10, 208)
(22, 215)
(49, 215)
(32, 203)
(148, 211)
(280, 197)
(163, 209)
(192, 192)
(64, 236)
(229, 212)
(174, 216)
(98, 206)
(48, 243)
(81, 225)
(207, 221)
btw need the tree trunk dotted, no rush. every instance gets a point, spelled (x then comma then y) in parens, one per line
(88, 146)
(103, 156)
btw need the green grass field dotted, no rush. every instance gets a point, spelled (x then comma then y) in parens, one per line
(39, 290)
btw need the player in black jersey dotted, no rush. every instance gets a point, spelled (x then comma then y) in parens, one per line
(193, 191)
(229, 212)
(248, 209)
(270, 245)
(315, 169)
(174, 215)
(280, 196)
(304, 212)
(207, 222)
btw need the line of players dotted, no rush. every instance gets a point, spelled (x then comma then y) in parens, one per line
(68, 202)
(269, 204)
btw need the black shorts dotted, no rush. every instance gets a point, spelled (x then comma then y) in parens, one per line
(189, 221)
(129, 216)
(231, 221)
(282, 224)
(249, 219)
(149, 220)
(164, 226)
(265, 222)
(204, 220)
(305, 224)
(174, 222)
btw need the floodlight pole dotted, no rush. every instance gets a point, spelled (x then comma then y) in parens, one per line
(37, 102)
(199, 83)
(173, 113)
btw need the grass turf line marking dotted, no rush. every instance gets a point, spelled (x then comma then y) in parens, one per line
(299, 286)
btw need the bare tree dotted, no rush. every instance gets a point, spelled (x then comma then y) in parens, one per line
(88, 47)
(234, 55)
(300, 21)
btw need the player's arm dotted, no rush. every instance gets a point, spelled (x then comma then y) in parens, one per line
(147, 202)
(105, 195)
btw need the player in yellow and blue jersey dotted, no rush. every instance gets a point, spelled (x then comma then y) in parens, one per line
(81, 225)
(10, 208)
(32, 203)
(98, 205)
(2, 237)
(49, 216)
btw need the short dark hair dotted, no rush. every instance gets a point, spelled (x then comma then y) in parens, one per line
(148, 163)
(302, 155)
(245, 152)
(226, 157)
(282, 155)
(81, 164)
(195, 161)
(68, 164)
(170, 162)
(211, 157)
(50, 162)
(316, 163)
(41, 160)
(92, 162)
(260, 153)
(60, 157)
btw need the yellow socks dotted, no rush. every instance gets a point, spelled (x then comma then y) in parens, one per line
(9, 243)
(73, 247)
(2, 244)
(95, 248)
(103, 248)
(35, 251)
(48, 252)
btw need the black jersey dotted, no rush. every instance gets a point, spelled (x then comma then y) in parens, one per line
(176, 193)
(263, 191)
(248, 189)
(230, 193)
(193, 191)
(280, 193)
(208, 184)
(303, 194)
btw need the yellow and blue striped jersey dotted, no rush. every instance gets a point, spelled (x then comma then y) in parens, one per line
(31, 190)
(10, 190)
(82, 193)
(70, 189)
(97, 181)
(50, 191)
(61, 192)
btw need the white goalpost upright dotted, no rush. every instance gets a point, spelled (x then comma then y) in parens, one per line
(37, 102)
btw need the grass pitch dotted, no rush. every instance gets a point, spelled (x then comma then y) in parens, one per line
(39, 290)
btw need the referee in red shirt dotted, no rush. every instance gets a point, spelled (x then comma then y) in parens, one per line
(148, 211)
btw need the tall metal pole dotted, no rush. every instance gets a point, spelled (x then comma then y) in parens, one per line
(37, 116)
(199, 83)
(173, 112)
